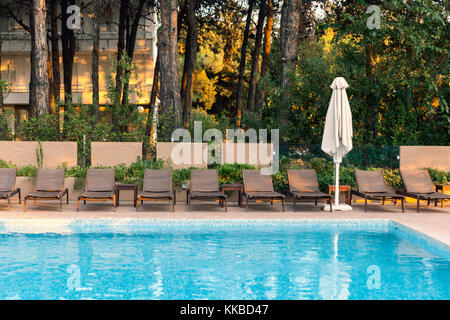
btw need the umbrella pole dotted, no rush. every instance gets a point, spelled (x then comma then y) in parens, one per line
(336, 187)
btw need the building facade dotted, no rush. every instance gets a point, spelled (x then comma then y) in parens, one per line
(15, 57)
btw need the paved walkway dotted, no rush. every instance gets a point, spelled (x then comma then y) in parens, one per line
(432, 221)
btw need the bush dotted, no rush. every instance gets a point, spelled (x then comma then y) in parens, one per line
(42, 128)
(230, 173)
(27, 171)
(4, 164)
(5, 131)
(439, 176)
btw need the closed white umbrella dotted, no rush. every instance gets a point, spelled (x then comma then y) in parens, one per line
(338, 132)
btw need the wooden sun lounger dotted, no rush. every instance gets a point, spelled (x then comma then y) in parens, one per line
(260, 187)
(49, 186)
(157, 187)
(7, 185)
(372, 186)
(303, 184)
(100, 186)
(418, 185)
(205, 186)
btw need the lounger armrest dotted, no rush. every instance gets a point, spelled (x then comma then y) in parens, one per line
(15, 191)
(359, 194)
(408, 194)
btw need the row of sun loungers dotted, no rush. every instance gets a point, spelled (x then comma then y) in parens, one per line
(204, 186)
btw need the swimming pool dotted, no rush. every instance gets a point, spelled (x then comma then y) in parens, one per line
(219, 259)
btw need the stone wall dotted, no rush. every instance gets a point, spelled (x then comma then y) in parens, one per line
(115, 153)
(23, 153)
(417, 157)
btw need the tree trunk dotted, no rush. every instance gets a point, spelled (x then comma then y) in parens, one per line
(131, 43)
(256, 56)
(32, 85)
(151, 106)
(56, 78)
(189, 62)
(290, 15)
(95, 59)
(168, 52)
(124, 7)
(265, 64)
(41, 56)
(242, 64)
(1, 91)
(68, 51)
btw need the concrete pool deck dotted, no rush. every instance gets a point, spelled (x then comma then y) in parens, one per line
(431, 221)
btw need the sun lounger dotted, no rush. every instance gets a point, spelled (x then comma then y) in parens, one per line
(303, 184)
(372, 186)
(419, 186)
(100, 186)
(7, 185)
(157, 187)
(49, 186)
(205, 186)
(260, 187)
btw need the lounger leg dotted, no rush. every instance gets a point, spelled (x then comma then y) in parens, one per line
(428, 202)
(9, 203)
(403, 208)
(383, 201)
(418, 204)
(435, 202)
(315, 201)
(331, 204)
(189, 203)
(78, 205)
(365, 204)
(271, 202)
(60, 204)
(34, 200)
(295, 202)
(137, 205)
(67, 196)
(114, 200)
(25, 204)
(247, 203)
(282, 204)
(225, 202)
(173, 204)
(20, 198)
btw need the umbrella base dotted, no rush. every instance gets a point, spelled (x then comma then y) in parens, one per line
(340, 207)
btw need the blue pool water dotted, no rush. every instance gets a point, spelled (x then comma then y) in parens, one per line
(249, 259)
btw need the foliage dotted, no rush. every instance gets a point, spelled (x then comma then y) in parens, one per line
(27, 171)
(231, 173)
(5, 131)
(4, 164)
(180, 176)
(40, 155)
(128, 121)
(42, 128)
(79, 126)
(438, 176)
